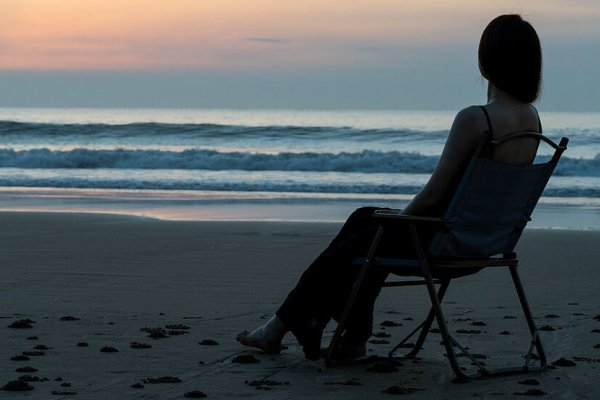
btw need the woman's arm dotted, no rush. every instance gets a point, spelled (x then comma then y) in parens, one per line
(465, 134)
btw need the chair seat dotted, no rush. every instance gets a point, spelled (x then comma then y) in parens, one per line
(440, 268)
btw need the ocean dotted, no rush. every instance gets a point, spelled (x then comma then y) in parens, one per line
(254, 164)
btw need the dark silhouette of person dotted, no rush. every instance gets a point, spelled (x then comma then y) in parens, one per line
(510, 59)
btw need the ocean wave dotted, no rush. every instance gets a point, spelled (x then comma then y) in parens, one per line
(263, 186)
(164, 184)
(195, 159)
(145, 129)
(570, 166)
(366, 161)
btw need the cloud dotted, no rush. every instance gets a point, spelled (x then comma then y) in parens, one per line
(267, 40)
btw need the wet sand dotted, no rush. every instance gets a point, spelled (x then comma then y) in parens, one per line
(124, 307)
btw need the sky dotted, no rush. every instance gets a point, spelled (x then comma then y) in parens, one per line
(307, 54)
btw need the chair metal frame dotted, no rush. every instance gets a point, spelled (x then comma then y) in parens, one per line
(432, 269)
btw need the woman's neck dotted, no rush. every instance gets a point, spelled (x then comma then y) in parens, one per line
(495, 95)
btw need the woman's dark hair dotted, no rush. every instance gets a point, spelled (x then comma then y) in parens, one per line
(510, 57)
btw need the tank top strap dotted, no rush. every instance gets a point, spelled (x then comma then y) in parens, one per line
(489, 121)
(488, 149)
(538, 117)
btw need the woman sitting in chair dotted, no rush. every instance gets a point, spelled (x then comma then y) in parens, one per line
(510, 59)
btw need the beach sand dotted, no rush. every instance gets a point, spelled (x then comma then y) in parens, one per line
(203, 282)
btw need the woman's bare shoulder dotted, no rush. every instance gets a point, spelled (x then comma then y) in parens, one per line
(470, 115)
(470, 122)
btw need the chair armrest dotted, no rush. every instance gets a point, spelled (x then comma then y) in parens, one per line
(396, 215)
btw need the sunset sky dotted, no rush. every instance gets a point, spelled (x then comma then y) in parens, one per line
(280, 53)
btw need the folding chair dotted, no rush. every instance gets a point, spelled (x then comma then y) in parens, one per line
(480, 229)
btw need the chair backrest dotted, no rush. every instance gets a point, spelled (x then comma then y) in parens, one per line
(493, 203)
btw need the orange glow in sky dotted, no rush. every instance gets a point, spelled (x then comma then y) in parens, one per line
(244, 34)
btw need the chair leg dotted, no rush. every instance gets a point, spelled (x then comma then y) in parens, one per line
(535, 340)
(446, 338)
(450, 342)
(436, 307)
(424, 327)
(423, 335)
(341, 327)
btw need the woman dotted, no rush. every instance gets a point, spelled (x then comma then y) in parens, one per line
(510, 59)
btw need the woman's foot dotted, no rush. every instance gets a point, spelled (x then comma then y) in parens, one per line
(267, 337)
(256, 339)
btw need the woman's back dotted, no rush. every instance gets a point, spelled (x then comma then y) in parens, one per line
(509, 116)
(506, 115)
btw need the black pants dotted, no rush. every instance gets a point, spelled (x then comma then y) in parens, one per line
(325, 286)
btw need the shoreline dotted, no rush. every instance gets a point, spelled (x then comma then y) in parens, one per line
(119, 274)
(551, 213)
